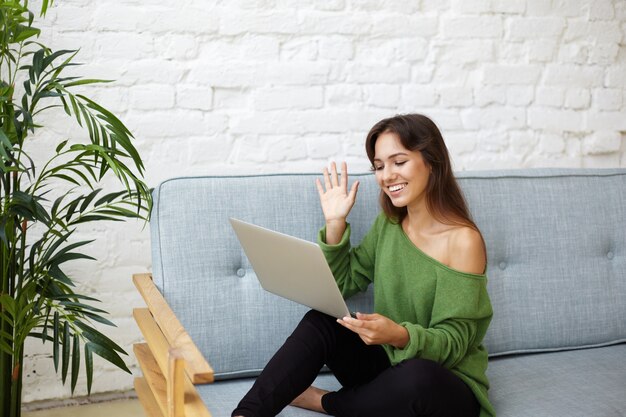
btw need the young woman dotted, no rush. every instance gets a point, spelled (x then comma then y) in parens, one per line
(421, 352)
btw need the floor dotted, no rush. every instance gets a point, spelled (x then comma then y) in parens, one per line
(126, 408)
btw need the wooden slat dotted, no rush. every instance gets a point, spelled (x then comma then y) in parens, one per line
(146, 398)
(153, 335)
(196, 365)
(151, 372)
(176, 384)
(194, 407)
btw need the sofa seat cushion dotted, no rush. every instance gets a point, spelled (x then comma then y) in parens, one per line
(577, 383)
(222, 397)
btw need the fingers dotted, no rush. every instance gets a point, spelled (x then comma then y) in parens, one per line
(333, 175)
(327, 183)
(371, 328)
(353, 190)
(361, 322)
(359, 327)
(367, 317)
(351, 324)
(320, 189)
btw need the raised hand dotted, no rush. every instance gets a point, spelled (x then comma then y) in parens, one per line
(336, 200)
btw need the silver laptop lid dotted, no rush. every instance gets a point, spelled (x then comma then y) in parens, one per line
(292, 268)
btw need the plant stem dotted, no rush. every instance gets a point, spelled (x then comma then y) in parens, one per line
(17, 64)
(6, 359)
(22, 250)
(16, 383)
(5, 382)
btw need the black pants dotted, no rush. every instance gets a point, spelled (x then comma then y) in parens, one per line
(371, 386)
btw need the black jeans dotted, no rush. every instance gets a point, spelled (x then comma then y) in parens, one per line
(371, 386)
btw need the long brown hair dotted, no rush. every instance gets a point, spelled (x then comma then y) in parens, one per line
(444, 198)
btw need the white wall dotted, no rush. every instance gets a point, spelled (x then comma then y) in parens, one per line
(243, 86)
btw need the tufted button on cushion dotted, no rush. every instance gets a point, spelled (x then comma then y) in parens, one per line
(610, 255)
(502, 265)
(241, 272)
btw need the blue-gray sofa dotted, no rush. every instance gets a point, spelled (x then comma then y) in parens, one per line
(556, 242)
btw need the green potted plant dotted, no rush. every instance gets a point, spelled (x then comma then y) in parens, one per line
(41, 207)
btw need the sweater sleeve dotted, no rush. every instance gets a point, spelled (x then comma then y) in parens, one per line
(352, 267)
(460, 317)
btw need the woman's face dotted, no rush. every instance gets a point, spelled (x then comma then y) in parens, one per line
(401, 174)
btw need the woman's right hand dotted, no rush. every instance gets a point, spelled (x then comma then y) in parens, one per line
(336, 201)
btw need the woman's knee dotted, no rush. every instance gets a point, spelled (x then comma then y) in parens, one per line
(419, 375)
(432, 386)
(315, 317)
(315, 322)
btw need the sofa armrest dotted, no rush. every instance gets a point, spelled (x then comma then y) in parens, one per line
(196, 366)
(166, 395)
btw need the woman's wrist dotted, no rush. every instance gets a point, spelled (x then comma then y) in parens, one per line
(335, 230)
(402, 337)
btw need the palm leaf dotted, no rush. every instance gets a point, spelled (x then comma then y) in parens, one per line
(65, 357)
(55, 341)
(97, 317)
(96, 337)
(85, 82)
(80, 307)
(75, 361)
(109, 355)
(56, 273)
(88, 366)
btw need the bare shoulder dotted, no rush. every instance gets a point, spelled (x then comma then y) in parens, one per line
(467, 251)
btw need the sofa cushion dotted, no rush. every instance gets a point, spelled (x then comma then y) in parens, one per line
(580, 383)
(222, 397)
(556, 242)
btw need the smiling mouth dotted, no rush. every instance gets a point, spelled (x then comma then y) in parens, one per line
(397, 187)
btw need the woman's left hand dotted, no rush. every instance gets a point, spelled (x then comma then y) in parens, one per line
(375, 329)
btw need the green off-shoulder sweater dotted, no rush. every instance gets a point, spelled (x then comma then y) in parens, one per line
(445, 311)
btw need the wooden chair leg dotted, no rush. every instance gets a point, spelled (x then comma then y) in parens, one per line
(176, 384)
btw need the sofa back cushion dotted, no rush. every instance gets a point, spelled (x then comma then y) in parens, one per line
(556, 243)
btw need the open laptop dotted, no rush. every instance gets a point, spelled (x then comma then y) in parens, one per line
(292, 268)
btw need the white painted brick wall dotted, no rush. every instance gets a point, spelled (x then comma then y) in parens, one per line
(256, 86)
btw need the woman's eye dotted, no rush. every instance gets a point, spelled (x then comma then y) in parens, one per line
(400, 163)
(376, 168)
